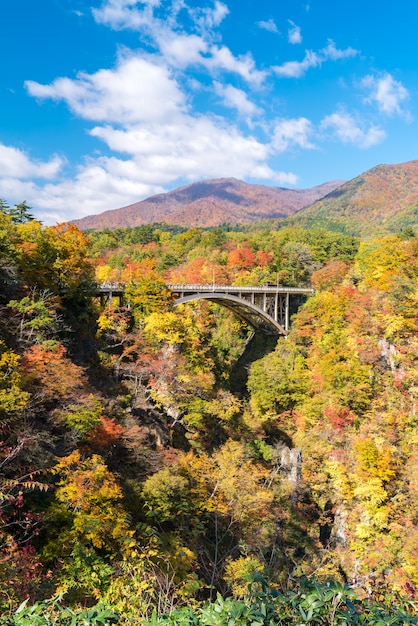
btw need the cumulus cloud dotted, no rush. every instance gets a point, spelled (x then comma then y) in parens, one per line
(15, 163)
(140, 111)
(294, 35)
(388, 93)
(151, 14)
(157, 157)
(181, 49)
(296, 69)
(346, 129)
(138, 89)
(243, 65)
(194, 147)
(292, 132)
(92, 190)
(237, 99)
(331, 52)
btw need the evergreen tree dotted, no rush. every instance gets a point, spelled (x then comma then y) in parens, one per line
(4, 207)
(20, 213)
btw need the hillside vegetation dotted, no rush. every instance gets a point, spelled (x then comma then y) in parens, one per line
(381, 201)
(136, 481)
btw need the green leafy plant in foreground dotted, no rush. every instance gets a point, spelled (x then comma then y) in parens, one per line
(333, 604)
(52, 613)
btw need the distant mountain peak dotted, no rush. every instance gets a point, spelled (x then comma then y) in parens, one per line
(210, 203)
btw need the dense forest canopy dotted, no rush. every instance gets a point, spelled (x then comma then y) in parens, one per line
(153, 456)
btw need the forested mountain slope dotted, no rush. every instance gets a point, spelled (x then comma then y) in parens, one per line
(133, 474)
(209, 203)
(381, 201)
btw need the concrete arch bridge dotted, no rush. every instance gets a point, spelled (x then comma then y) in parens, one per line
(266, 308)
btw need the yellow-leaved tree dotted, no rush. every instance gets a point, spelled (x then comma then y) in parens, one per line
(91, 525)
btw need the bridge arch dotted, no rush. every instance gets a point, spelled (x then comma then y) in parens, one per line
(247, 311)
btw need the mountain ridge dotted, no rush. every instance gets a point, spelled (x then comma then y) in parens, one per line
(377, 202)
(380, 201)
(209, 203)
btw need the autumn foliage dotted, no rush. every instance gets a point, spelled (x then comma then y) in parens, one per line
(158, 456)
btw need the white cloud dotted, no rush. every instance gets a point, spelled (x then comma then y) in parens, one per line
(345, 128)
(243, 65)
(14, 163)
(270, 25)
(137, 90)
(294, 35)
(284, 178)
(387, 93)
(237, 99)
(140, 110)
(140, 14)
(206, 18)
(178, 48)
(182, 51)
(94, 188)
(159, 156)
(194, 147)
(335, 54)
(119, 14)
(296, 69)
(292, 132)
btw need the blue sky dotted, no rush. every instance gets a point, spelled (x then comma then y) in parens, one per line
(107, 102)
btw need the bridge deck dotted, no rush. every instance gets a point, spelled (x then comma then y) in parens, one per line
(179, 287)
(118, 289)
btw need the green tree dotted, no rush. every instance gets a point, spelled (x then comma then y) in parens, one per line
(35, 318)
(147, 294)
(4, 207)
(20, 213)
(8, 254)
(278, 381)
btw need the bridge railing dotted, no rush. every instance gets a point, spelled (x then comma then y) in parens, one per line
(230, 288)
(111, 286)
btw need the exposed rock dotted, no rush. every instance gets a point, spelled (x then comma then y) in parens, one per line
(291, 463)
